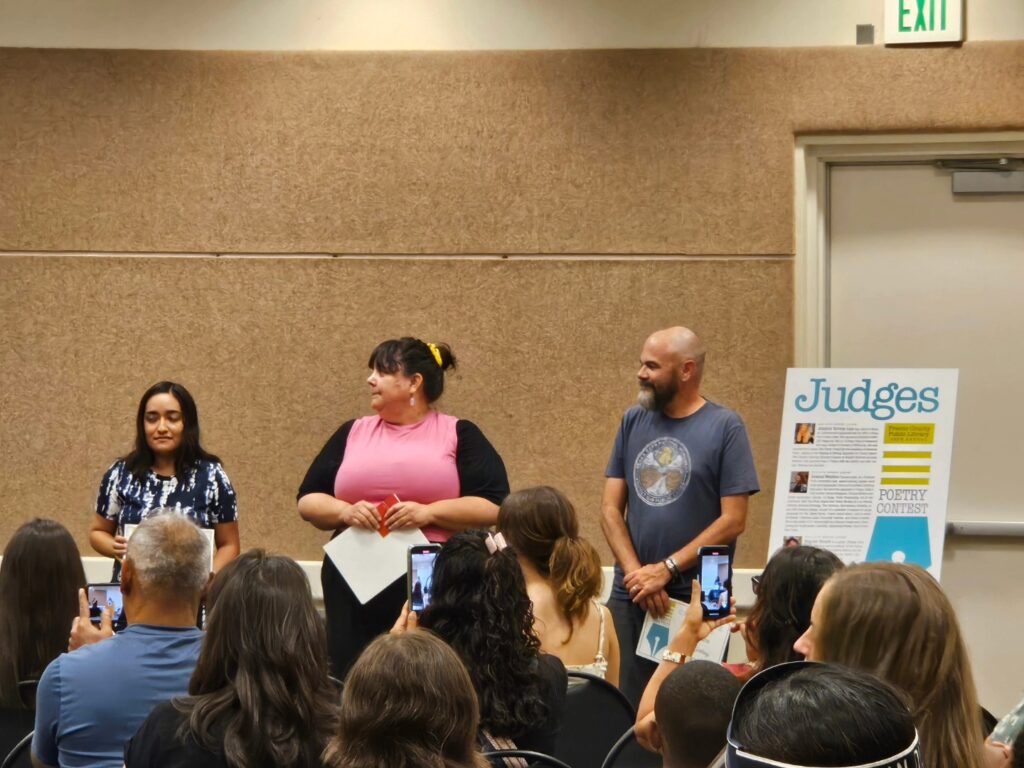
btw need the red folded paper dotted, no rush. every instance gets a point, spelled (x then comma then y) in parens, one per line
(382, 510)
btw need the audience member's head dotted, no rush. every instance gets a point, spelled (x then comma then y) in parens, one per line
(895, 621)
(804, 714)
(166, 567)
(260, 693)
(40, 577)
(692, 712)
(480, 608)
(785, 595)
(541, 526)
(408, 703)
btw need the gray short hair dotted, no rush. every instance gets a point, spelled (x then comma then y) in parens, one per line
(169, 554)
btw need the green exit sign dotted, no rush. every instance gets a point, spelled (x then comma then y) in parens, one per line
(923, 21)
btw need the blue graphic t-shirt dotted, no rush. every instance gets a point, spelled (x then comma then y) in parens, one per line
(676, 472)
(203, 494)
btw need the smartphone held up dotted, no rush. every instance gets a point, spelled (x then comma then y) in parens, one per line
(715, 565)
(421, 575)
(103, 596)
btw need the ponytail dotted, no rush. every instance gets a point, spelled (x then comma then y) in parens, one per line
(575, 573)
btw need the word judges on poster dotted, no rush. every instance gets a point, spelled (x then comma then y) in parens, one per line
(864, 463)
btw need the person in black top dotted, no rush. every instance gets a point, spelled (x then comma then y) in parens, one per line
(260, 694)
(446, 474)
(480, 607)
(40, 578)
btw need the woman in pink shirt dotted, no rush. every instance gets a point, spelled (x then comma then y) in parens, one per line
(446, 473)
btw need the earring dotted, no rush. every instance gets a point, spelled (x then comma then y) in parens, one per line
(412, 400)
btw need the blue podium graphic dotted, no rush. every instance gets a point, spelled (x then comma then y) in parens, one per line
(901, 540)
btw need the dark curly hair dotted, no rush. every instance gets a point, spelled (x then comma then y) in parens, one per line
(480, 608)
(785, 595)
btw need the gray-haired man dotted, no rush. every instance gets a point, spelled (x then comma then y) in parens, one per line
(91, 701)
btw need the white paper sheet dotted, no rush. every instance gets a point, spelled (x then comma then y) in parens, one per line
(657, 633)
(370, 562)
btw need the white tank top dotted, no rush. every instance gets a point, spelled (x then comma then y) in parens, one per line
(599, 666)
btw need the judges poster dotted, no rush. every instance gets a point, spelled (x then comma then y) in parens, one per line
(864, 463)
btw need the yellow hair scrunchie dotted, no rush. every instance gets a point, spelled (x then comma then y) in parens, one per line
(436, 353)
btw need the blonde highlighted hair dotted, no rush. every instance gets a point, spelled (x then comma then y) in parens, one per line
(895, 621)
(541, 525)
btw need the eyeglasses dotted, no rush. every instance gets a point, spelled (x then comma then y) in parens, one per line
(755, 583)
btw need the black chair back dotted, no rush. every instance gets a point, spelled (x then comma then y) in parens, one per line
(627, 753)
(596, 714)
(21, 755)
(497, 758)
(27, 692)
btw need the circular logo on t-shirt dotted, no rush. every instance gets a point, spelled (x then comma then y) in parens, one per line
(661, 471)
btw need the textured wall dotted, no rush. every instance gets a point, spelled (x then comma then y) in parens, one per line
(275, 353)
(662, 151)
(626, 152)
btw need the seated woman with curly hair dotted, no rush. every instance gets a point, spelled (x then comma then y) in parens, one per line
(479, 606)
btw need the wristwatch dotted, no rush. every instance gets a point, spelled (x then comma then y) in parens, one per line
(673, 569)
(674, 656)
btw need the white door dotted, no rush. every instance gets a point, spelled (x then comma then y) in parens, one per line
(918, 278)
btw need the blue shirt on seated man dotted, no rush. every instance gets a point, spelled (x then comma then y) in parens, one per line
(92, 700)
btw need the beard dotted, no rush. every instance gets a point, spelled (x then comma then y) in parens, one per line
(652, 397)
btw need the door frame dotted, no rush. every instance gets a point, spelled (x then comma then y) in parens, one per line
(812, 157)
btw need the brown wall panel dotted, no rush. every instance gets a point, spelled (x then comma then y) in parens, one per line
(634, 152)
(593, 152)
(275, 350)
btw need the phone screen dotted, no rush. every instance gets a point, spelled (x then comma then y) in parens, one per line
(715, 580)
(421, 576)
(101, 596)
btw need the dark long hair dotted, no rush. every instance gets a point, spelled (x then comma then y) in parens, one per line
(480, 608)
(785, 595)
(408, 703)
(40, 577)
(260, 692)
(140, 459)
(541, 525)
(409, 355)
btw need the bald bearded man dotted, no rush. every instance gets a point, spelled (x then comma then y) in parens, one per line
(683, 469)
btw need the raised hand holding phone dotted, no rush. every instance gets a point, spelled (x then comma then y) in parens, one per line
(82, 630)
(407, 620)
(715, 571)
